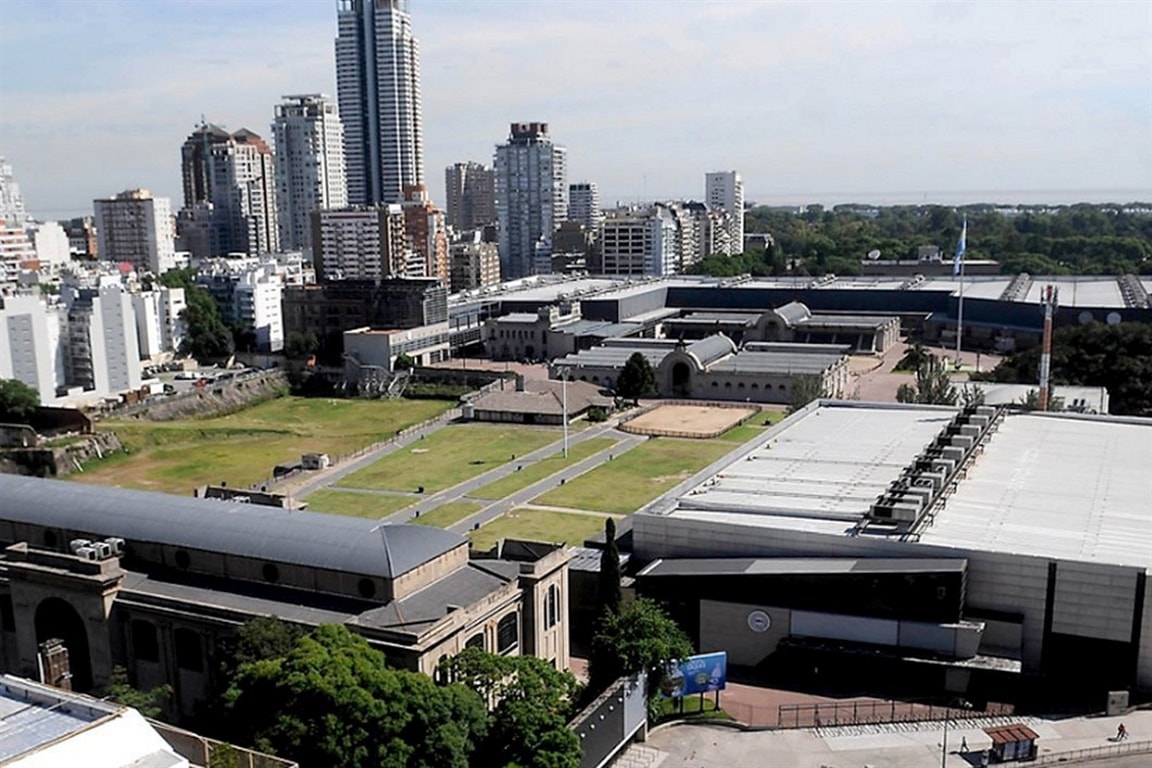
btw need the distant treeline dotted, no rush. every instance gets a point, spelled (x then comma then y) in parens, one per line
(1069, 240)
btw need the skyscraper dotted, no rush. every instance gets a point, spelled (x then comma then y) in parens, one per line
(725, 190)
(135, 227)
(378, 89)
(584, 205)
(531, 198)
(309, 165)
(471, 195)
(194, 162)
(243, 193)
(11, 201)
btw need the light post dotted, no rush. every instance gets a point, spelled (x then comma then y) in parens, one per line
(564, 398)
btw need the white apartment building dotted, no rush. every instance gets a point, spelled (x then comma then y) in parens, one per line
(149, 333)
(584, 205)
(474, 264)
(137, 228)
(31, 344)
(643, 242)
(310, 173)
(258, 297)
(360, 243)
(17, 253)
(103, 349)
(531, 199)
(12, 210)
(378, 89)
(243, 189)
(53, 250)
(724, 190)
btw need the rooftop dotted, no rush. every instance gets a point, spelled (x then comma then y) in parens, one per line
(1047, 485)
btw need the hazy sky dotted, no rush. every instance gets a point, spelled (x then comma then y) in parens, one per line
(810, 101)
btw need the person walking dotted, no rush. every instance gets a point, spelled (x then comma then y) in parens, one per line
(1121, 732)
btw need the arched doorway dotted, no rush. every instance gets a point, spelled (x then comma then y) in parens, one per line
(55, 618)
(681, 380)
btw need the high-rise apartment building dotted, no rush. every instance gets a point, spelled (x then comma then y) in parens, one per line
(531, 198)
(243, 194)
(136, 227)
(584, 205)
(725, 190)
(194, 162)
(471, 195)
(103, 351)
(378, 89)
(425, 231)
(31, 344)
(640, 242)
(475, 263)
(359, 243)
(12, 209)
(309, 139)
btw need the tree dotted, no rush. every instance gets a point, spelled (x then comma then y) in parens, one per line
(609, 582)
(933, 387)
(331, 701)
(149, 703)
(637, 379)
(404, 362)
(806, 387)
(18, 401)
(299, 346)
(530, 704)
(640, 637)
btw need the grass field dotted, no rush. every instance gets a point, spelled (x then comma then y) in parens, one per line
(243, 447)
(538, 525)
(516, 481)
(452, 512)
(638, 476)
(449, 456)
(371, 505)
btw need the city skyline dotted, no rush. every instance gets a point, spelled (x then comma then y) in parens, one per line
(868, 102)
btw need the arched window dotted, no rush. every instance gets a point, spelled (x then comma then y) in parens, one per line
(507, 634)
(440, 674)
(552, 607)
(740, 385)
(145, 646)
(476, 641)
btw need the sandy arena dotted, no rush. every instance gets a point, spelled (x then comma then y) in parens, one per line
(700, 421)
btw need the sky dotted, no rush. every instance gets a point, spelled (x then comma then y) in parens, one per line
(851, 101)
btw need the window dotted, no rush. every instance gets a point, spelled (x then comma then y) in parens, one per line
(182, 559)
(188, 654)
(144, 643)
(507, 634)
(271, 573)
(476, 641)
(552, 607)
(50, 539)
(367, 588)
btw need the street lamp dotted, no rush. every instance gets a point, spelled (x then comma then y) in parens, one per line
(564, 397)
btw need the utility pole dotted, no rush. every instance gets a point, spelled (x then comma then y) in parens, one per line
(564, 391)
(1048, 300)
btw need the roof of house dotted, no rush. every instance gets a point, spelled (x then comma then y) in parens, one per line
(332, 542)
(544, 396)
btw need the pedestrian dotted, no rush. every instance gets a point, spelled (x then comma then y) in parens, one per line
(1121, 732)
(963, 744)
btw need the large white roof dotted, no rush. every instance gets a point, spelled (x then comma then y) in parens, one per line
(1062, 486)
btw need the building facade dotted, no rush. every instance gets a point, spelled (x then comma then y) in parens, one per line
(103, 350)
(243, 195)
(425, 233)
(470, 189)
(724, 190)
(136, 228)
(531, 198)
(584, 205)
(310, 175)
(359, 243)
(378, 89)
(474, 264)
(636, 243)
(31, 344)
(12, 211)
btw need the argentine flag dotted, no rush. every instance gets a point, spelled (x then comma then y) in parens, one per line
(960, 248)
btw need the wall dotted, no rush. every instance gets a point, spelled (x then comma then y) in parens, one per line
(725, 627)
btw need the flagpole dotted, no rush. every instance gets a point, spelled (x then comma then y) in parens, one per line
(958, 266)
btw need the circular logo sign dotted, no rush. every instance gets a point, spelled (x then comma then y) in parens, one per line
(758, 621)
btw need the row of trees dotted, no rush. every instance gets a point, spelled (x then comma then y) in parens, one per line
(1078, 239)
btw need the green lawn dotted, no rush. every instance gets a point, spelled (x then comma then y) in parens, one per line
(537, 525)
(637, 476)
(372, 505)
(519, 480)
(242, 448)
(450, 456)
(452, 512)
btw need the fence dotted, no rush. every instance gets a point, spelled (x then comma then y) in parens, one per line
(1078, 756)
(870, 712)
(662, 432)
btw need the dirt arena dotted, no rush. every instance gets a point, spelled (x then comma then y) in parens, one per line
(688, 420)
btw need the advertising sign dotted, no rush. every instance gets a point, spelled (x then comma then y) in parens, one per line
(696, 674)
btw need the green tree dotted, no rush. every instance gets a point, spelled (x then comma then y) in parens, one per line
(149, 703)
(637, 379)
(331, 701)
(404, 362)
(608, 586)
(299, 346)
(530, 704)
(18, 401)
(806, 387)
(932, 387)
(640, 637)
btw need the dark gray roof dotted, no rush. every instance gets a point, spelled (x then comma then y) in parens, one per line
(350, 544)
(752, 361)
(426, 607)
(778, 566)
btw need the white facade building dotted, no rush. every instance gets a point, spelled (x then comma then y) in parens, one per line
(725, 190)
(137, 228)
(12, 210)
(584, 205)
(531, 199)
(243, 187)
(31, 348)
(103, 349)
(637, 243)
(310, 174)
(378, 89)
(149, 329)
(258, 304)
(16, 252)
(53, 250)
(360, 243)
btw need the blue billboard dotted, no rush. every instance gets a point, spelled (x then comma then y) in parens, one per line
(696, 674)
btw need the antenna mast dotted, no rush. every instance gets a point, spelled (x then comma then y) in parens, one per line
(1048, 300)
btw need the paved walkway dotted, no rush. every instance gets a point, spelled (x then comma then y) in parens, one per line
(904, 745)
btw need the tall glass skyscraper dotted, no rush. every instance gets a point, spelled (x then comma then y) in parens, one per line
(531, 198)
(378, 91)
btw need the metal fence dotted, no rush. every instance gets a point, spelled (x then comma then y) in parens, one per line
(865, 712)
(1077, 756)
